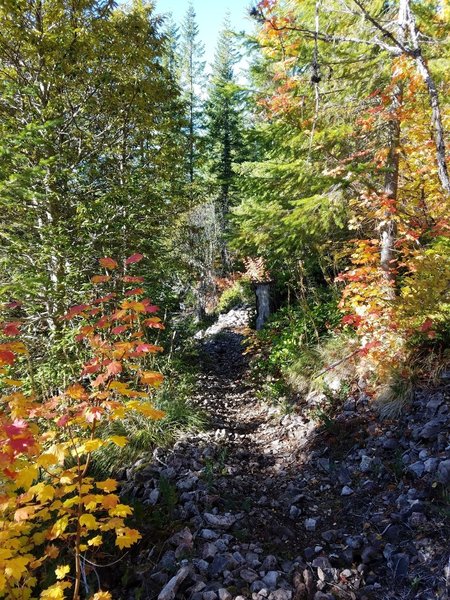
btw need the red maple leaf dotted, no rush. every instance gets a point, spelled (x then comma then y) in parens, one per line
(134, 258)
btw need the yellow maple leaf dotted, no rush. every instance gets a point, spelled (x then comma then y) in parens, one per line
(55, 591)
(119, 440)
(59, 527)
(47, 460)
(92, 445)
(126, 537)
(62, 571)
(45, 492)
(110, 501)
(146, 409)
(109, 485)
(121, 510)
(152, 378)
(16, 567)
(95, 541)
(101, 596)
(113, 523)
(88, 521)
(26, 477)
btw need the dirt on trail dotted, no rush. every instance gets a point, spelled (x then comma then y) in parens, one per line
(269, 504)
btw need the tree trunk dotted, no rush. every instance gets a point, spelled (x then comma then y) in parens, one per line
(388, 227)
(436, 116)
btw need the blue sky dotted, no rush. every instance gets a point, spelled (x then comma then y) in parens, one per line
(210, 16)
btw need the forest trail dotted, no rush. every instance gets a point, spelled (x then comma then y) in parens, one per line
(268, 505)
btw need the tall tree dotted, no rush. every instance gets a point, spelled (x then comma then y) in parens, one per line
(90, 149)
(224, 130)
(192, 80)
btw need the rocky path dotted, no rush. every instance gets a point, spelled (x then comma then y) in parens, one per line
(266, 505)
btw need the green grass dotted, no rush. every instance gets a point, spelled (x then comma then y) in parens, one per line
(145, 434)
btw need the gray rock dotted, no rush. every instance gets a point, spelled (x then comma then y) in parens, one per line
(443, 472)
(201, 565)
(329, 536)
(238, 558)
(271, 578)
(259, 588)
(434, 404)
(310, 524)
(168, 560)
(344, 476)
(430, 430)
(153, 497)
(431, 465)
(281, 594)
(225, 521)
(209, 534)
(209, 551)
(210, 596)
(323, 596)
(169, 591)
(417, 468)
(220, 563)
(346, 491)
(294, 512)
(187, 484)
(252, 560)
(366, 464)
(183, 537)
(346, 573)
(269, 563)
(248, 575)
(322, 562)
(224, 594)
(417, 519)
(390, 444)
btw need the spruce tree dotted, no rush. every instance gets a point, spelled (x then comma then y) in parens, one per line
(224, 130)
(192, 80)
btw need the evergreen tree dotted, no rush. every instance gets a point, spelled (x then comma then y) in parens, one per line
(224, 131)
(192, 81)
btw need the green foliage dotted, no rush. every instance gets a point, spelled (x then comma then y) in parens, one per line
(239, 293)
(293, 329)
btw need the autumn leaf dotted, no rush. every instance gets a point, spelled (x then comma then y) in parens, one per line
(16, 567)
(109, 485)
(62, 571)
(95, 541)
(88, 521)
(76, 391)
(56, 591)
(118, 440)
(100, 278)
(108, 263)
(135, 292)
(126, 537)
(144, 348)
(7, 357)
(101, 596)
(134, 258)
(152, 378)
(11, 329)
(59, 527)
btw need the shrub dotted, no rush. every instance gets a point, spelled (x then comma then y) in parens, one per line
(239, 293)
